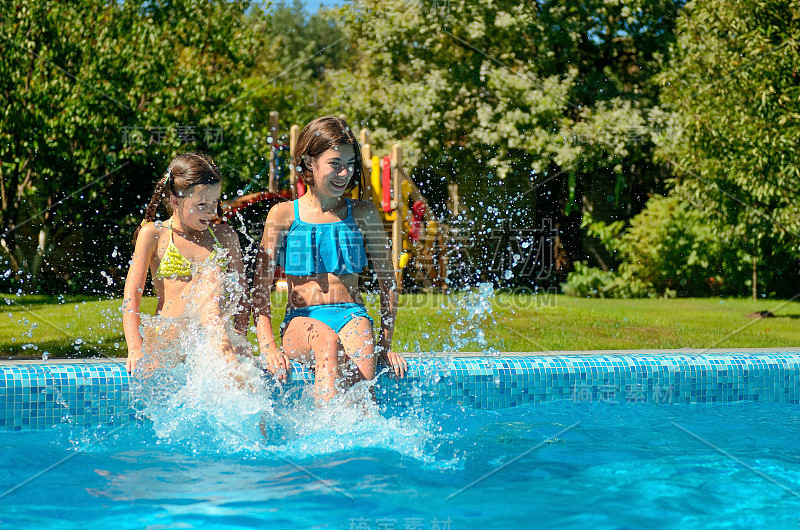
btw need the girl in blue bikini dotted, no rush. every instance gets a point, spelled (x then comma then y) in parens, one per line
(322, 240)
(186, 258)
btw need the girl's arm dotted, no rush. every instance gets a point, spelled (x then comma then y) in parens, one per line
(146, 245)
(274, 359)
(380, 250)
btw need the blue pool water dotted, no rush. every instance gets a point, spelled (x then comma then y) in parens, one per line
(624, 465)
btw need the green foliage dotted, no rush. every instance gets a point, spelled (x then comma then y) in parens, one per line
(670, 246)
(592, 282)
(732, 86)
(291, 68)
(538, 110)
(82, 87)
(97, 97)
(668, 249)
(534, 109)
(672, 249)
(525, 105)
(306, 46)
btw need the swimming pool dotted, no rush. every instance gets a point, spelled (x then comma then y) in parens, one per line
(603, 441)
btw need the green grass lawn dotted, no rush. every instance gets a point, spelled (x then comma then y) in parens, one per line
(81, 326)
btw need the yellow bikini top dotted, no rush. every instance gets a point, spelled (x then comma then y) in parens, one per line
(174, 265)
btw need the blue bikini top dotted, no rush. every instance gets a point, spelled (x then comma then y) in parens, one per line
(311, 248)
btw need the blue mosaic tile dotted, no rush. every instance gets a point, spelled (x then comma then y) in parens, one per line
(38, 396)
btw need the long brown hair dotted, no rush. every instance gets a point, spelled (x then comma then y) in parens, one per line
(327, 132)
(184, 173)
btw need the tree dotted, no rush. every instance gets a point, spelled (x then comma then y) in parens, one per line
(535, 109)
(97, 97)
(290, 69)
(732, 85)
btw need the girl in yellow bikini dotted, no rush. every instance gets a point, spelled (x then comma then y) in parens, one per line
(322, 241)
(186, 258)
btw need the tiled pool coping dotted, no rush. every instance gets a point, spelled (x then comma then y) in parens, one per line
(37, 394)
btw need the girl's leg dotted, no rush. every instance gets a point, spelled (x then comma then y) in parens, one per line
(359, 351)
(309, 340)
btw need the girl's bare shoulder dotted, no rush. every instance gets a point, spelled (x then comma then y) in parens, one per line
(282, 214)
(364, 209)
(150, 233)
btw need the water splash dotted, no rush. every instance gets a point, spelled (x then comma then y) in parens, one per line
(199, 398)
(472, 314)
(351, 421)
(250, 249)
(198, 382)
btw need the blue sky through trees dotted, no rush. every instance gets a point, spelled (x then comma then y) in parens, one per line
(313, 5)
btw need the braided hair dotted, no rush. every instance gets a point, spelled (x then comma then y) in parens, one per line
(184, 173)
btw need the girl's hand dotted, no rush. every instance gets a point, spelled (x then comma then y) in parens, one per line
(394, 360)
(132, 360)
(277, 363)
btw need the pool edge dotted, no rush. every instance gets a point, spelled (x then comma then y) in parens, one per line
(86, 392)
(446, 354)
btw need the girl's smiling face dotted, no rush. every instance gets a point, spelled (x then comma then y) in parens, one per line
(196, 210)
(333, 170)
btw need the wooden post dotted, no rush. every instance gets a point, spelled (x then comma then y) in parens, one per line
(273, 168)
(441, 277)
(294, 132)
(366, 155)
(397, 225)
(452, 190)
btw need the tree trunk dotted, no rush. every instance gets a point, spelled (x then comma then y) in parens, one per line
(755, 277)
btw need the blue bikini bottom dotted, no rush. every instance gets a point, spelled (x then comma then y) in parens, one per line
(335, 316)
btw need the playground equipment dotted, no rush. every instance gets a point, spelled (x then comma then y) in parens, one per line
(418, 238)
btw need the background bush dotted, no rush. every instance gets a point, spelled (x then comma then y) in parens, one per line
(671, 249)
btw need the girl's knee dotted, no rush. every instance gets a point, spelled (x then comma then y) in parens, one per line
(326, 346)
